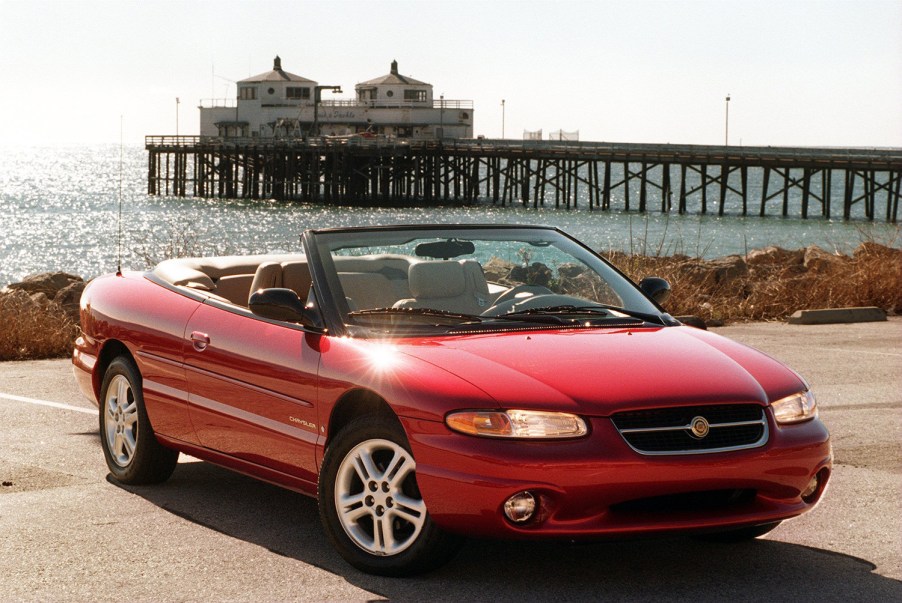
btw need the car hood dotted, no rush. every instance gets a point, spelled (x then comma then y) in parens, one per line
(599, 371)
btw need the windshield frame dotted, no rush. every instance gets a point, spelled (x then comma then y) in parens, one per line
(320, 244)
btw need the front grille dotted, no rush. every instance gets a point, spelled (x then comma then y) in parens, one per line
(669, 430)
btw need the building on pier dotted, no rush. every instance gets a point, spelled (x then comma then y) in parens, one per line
(281, 105)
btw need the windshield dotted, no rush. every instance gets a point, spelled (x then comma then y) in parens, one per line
(458, 278)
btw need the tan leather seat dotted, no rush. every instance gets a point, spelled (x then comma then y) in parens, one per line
(227, 278)
(234, 287)
(453, 286)
(367, 290)
(293, 275)
(296, 276)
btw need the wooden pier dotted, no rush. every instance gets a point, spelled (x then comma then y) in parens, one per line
(732, 180)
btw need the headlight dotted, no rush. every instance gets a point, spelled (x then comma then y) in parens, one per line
(795, 408)
(517, 424)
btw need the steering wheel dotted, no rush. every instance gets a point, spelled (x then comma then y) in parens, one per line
(514, 295)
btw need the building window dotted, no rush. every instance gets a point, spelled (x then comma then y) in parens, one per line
(415, 95)
(297, 93)
(247, 93)
(389, 93)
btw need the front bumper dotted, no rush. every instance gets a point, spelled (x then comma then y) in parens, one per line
(598, 486)
(83, 361)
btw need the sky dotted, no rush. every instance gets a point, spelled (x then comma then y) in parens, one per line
(798, 73)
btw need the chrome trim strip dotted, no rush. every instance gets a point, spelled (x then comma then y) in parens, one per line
(689, 427)
(765, 435)
(229, 411)
(161, 359)
(308, 434)
(244, 384)
(165, 390)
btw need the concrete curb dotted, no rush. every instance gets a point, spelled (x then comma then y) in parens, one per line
(837, 316)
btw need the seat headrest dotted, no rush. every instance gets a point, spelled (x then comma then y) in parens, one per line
(437, 279)
(296, 276)
(267, 275)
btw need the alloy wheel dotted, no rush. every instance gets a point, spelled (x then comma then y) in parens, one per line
(121, 421)
(376, 498)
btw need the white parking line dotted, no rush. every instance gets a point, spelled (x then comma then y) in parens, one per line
(90, 411)
(183, 458)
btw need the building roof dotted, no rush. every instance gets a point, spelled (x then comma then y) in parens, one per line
(393, 78)
(277, 75)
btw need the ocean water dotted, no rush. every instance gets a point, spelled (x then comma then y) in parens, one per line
(59, 210)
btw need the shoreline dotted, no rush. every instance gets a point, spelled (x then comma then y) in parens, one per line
(764, 285)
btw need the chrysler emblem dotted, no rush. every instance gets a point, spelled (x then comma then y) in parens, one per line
(699, 427)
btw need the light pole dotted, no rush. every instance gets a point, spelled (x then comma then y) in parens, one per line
(726, 133)
(502, 118)
(317, 95)
(176, 116)
(441, 113)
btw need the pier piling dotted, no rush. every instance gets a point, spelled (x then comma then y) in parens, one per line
(532, 173)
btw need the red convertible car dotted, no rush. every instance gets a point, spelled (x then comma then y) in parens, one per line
(431, 382)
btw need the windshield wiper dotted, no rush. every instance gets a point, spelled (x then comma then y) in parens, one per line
(417, 312)
(549, 315)
(595, 309)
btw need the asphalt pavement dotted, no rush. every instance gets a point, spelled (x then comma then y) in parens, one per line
(69, 534)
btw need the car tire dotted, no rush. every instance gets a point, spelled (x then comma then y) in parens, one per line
(738, 535)
(132, 452)
(371, 506)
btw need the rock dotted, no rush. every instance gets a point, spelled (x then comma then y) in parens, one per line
(570, 270)
(40, 299)
(69, 298)
(770, 256)
(537, 274)
(819, 261)
(16, 299)
(791, 271)
(48, 294)
(694, 272)
(48, 283)
(720, 271)
(727, 269)
(497, 269)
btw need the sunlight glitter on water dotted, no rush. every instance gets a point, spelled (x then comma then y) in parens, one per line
(59, 208)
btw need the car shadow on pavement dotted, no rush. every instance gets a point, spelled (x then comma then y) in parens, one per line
(660, 569)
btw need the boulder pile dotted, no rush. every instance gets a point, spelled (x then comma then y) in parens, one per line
(772, 283)
(40, 316)
(47, 288)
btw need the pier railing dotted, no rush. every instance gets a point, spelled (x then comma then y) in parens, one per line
(213, 103)
(681, 178)
(231, 103)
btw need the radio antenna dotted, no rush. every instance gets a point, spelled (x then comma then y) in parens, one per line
(119, 219)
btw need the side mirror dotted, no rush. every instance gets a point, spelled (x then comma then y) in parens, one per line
(656, 288)
(281, 304)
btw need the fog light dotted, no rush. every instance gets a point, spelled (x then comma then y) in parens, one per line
(809, 491)
(520, 507)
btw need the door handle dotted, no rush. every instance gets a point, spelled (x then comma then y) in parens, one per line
(200, 341)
